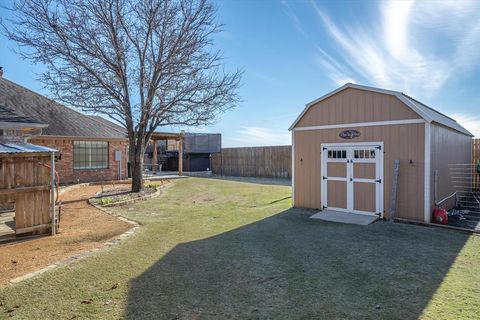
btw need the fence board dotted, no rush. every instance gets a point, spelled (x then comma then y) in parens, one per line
(271, 162)
(476, 158)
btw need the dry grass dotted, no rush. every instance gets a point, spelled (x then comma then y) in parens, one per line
(212, 249)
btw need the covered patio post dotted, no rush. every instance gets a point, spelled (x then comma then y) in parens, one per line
(154, 160)
(180, 156)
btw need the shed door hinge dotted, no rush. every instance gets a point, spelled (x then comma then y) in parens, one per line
(379, 180)
(324, 178)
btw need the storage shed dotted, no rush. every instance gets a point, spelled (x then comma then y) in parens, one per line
(344, 146)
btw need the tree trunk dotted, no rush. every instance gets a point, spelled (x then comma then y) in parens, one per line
(137, 166)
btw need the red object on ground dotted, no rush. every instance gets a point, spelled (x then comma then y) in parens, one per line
(440, 216)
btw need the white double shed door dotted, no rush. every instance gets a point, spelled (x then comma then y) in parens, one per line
(352, 177)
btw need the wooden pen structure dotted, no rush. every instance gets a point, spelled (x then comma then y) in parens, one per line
(27, 187)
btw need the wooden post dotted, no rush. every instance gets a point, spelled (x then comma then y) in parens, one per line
(180, 157)
(393, 198)
(221, 159)
(154, 161)
(52, 193)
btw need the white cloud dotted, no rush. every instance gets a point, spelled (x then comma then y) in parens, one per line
(265, 78)
(411, 46)
(335, 70)
(257, 136)
(396, 16)
(468, 121)
(290, 13)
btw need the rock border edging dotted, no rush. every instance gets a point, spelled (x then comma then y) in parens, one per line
(157, 193)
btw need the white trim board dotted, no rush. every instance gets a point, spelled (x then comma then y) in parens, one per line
(21, 125)
(361, 124)
(293, 169)
(427, 173)
(353, 144)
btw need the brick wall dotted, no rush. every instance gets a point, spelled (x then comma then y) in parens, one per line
(64, 167)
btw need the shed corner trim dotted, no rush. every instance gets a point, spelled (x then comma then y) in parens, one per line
(427, 173)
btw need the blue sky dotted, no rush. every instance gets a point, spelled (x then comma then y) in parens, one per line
(295, 51)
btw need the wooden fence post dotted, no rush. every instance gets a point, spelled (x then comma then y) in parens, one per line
(475, 159)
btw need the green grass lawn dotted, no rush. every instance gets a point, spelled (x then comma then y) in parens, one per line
(223, 249)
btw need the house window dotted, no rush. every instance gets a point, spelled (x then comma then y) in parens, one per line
(90, 155)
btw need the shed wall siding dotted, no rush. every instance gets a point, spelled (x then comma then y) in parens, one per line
(353, 105)
(404, 142)
(448, 147)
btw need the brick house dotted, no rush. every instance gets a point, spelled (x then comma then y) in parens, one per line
(91, 148)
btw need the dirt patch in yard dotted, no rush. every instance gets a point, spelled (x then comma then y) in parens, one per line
(82, 227)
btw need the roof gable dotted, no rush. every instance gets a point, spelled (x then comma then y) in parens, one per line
(425, 112)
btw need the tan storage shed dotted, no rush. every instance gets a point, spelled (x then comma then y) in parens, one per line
(345, 143)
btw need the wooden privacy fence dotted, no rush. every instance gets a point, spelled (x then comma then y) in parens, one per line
(476, 158)
(270, 162)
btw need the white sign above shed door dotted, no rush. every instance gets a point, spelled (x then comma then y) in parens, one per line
(352, 178)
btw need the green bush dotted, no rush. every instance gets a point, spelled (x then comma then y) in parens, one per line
(153, 185)
(104, 201)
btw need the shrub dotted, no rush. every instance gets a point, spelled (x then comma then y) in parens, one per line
(104, 201)
(153, 185)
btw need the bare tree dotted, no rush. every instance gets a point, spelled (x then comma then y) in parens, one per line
(142, 63)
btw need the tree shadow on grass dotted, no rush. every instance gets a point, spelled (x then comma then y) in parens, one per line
(289, 267)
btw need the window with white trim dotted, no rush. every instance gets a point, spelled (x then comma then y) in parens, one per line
(90, 155)
(364, 154)
(337, 154)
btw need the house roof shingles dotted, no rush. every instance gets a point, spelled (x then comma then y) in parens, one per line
(8, 115)
(62, 121)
